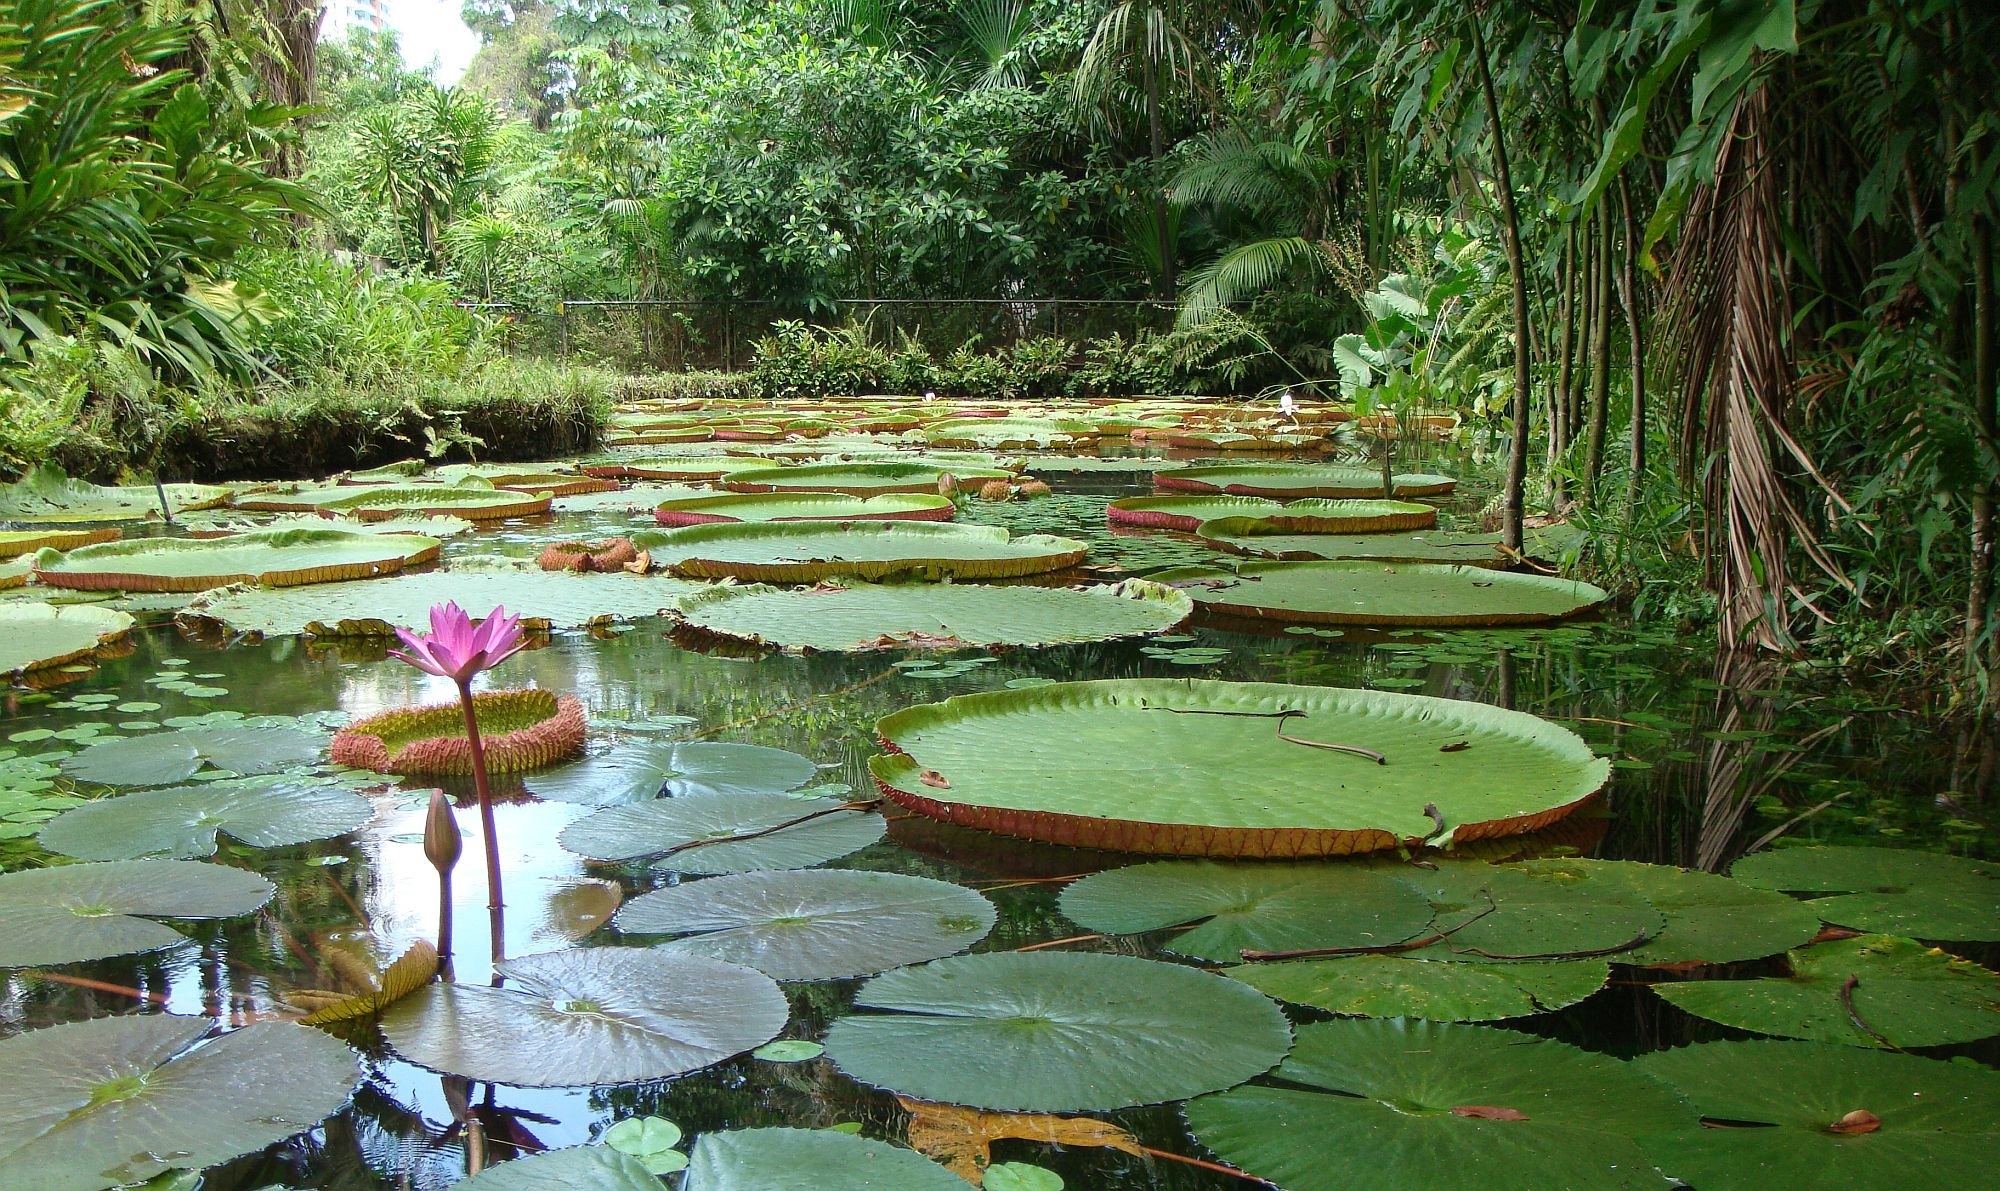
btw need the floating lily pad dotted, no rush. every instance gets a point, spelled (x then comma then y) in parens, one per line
(378, 607)
(1292, 480)
(742, 1159)
(1353, 592)
(276, 558)
(520, 730)
(1923, 895)
(1444, 1107)
(1056, 1032)
(1710, 919)
(38, 636)
(725, 833)
(1201, 768)
(182, 822)
(1430, 983)
(813, 924)
(122, 1099)
(77, 912)
(1935, 1122)
(707, 466)
(1184, 512)
(1535, 910)
(1188, 513)
(46, 496)
(1909, 994)
(379, 503)
(1263, 538)
(1009, 433)
(599, 1015)
(854, 479)
(642, 770)
(804, 506)
(33, 541)
(163, 758)
(863, 616)
(1269, 907)
(807, 552)
(597, 1167)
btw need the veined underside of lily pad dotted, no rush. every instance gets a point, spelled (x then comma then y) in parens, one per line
(1232, 769)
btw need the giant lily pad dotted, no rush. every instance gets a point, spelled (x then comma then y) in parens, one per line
(479, 502)
(1187, 513)
(1009, 433)
(1372, 593)
(1291, 480)
(725, 833)
(813, 924)
(1838, 1117)
(163, 758)
(804, 506)
(599, 1015)
(1269, 907)
(1203, 767)
(862, 616)
(36, 636)
(678, 467)
(1443, 1107)
(182, 822)
(1429, 983)
(377, 607)
(637, 771)
(1056, 1032)
(742, 1159)
(1263, 537)
(278, 558)
(78, 912)
(597, 1167)
(854, 479)
(1924, 895)
(1710, 919)
(807, 552)
(122, 1099)
(1184, 512)
(46, 496)
(1905, 993)
(32, 541)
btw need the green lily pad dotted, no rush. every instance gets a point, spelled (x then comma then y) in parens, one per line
(46, 496)
(1264, 538)
(163, 758)
(1937, 1120)
(37, 636)
(789, 1050)
(1537, 910)
(1355, 592)
(813, 924)
(123, 1099)
(277, 558)
(15, 542)
(1266, 907)
(725, 833)
(741, 1159)
(862, 616)
(1056, 1032)
(651, 1140)
(643, 770)
(1443, 1107)
(1710, 919)
(804, 506)
(79, 912)
(597, 1167)
(1909, 994)
(1923, 895)
(1189, 513)
(182, 822)
(1009, 433)
(807, 551)
(599, 1015)
(380, 502)
(1184, 512)
(1429, 983)
(1293, 480)
(1200, 769)
(854, 479)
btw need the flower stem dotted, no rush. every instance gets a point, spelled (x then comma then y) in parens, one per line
(485, 791)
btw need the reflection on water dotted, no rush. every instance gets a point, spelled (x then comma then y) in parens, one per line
(1711, 756)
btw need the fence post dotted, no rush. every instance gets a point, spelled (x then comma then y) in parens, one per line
(562, 327)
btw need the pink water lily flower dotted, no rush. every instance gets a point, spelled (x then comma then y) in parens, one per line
(456, 648)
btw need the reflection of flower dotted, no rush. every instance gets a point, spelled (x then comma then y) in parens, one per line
(458, 649)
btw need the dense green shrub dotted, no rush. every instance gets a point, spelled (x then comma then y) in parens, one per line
(686, 386)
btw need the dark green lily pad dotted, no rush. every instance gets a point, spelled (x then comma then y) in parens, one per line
(1056, 1032)
(599, 1015)
(1524, 912)
(1375, 593)
(1937, 1120)
(1922, 895)
(1423, 984)
(79, 912)
(163, 758)
(813, 924)
(597, 1167)
(700, 833)
(747, 1159)
(1910, 994)
(181, 822)
(122, 1099)
(1270, 907)
(1710, 919)
(1409, 1104)
(642, 770)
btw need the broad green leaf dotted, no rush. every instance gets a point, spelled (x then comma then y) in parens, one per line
(1922, 895)
(35, 636)
(803, 506)
(1263, 537)
(1429, 983)
(182, 822)
(854, 479)
(742, 1159)
(279, 558)
(596, 1167)
(377, 607)
(1372, 593)
(808, 551)
(1710, 919)
(46, 496)
(79, 912)
(163, 758)
(635, 772)
(1537, 910)
(725, 833)
(1287, 481)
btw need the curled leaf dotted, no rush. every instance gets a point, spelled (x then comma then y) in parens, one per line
(962, 1138)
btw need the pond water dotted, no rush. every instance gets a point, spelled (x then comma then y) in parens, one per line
(1709, 755)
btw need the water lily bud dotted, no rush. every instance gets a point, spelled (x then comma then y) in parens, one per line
(441, 838)
(947, 483)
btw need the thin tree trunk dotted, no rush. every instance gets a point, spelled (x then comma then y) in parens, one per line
(1635, 335)
(1979, 590)
(1586, 321)
(1561, 399)
(1512, 501)
(1600, 361)
(1169, 282)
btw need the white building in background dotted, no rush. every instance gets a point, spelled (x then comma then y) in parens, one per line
(342, 15)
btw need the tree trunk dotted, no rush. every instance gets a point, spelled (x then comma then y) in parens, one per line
(1979, 590)
(1561, 400)
(1636, 337)
(1169, 282)
(1510, 225)
(1600, 360)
